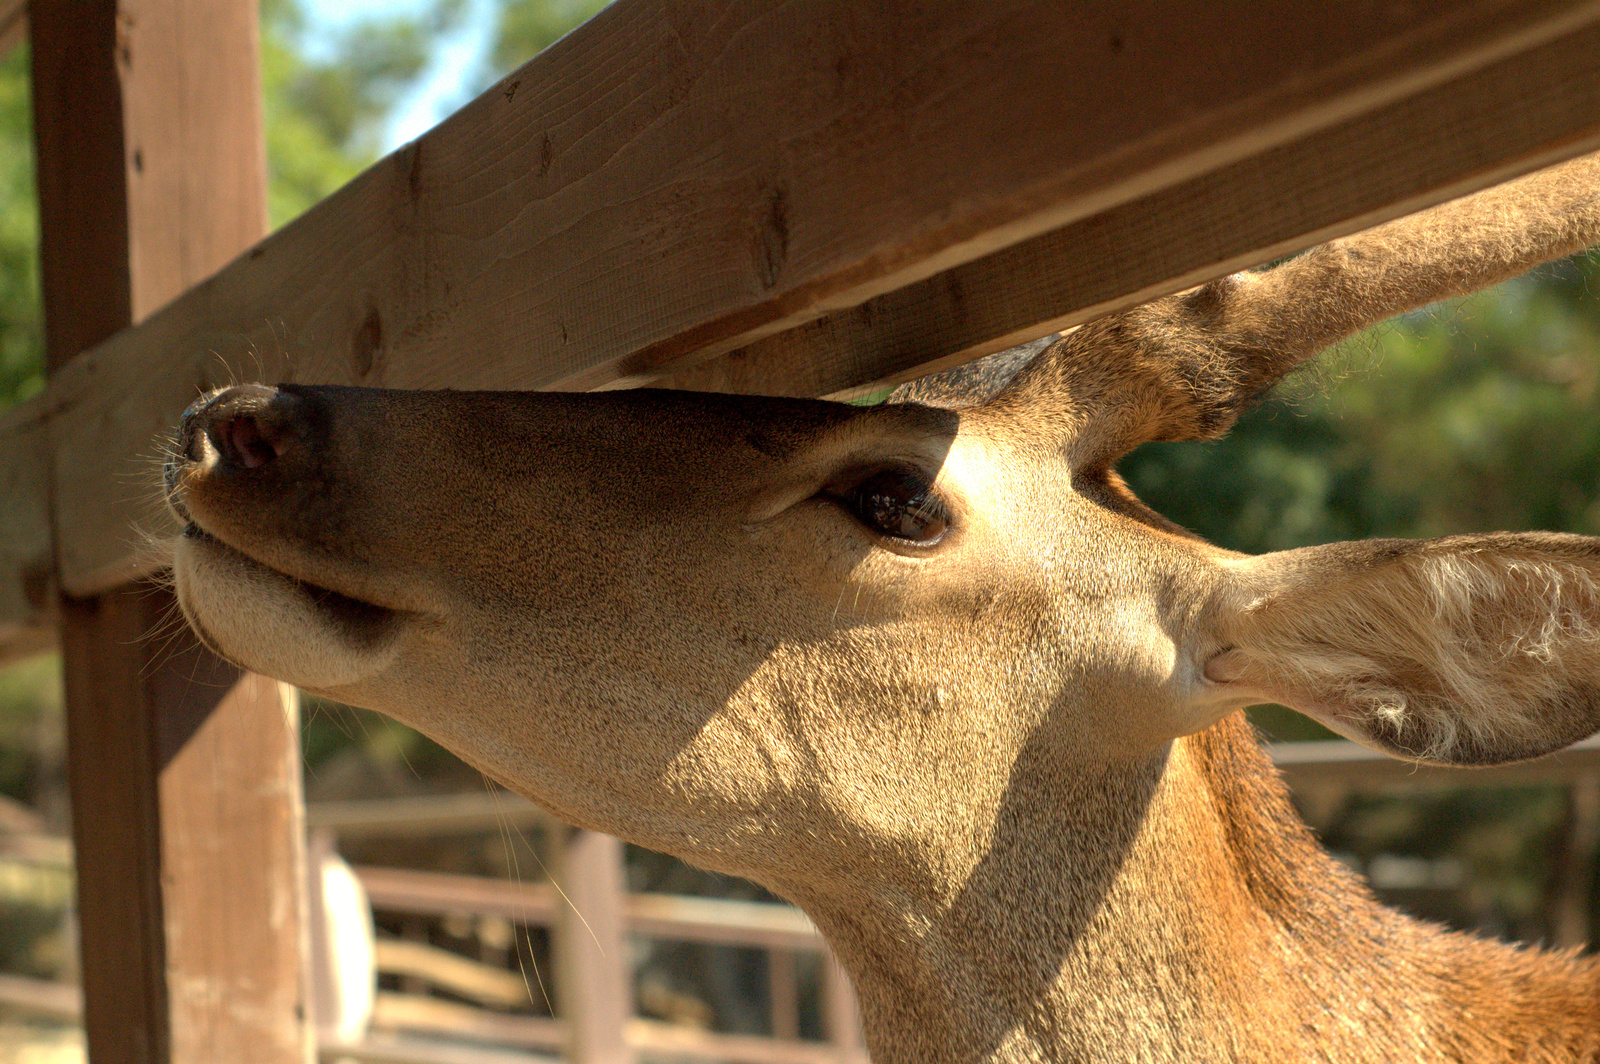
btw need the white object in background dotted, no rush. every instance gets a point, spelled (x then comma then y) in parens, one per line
(343, 967)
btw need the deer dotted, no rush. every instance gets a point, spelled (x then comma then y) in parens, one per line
(930, 670)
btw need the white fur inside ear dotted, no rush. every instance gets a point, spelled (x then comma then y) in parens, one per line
(1450, 655)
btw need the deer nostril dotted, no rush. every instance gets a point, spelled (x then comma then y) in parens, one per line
(243, 428)
(251, 448)
(247, 441)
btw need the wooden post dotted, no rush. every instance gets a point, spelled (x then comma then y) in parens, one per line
(783, 993)
(1572, 864)
(841, 1015)
(184, 773)
(596, 990)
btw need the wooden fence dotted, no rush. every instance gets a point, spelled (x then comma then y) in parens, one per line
(726, 194)
(411, 1027)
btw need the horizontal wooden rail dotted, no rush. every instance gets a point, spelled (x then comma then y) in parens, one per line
(1301, 761)
(388, 1048)
(814, 204)
(715, 920)
(486, 984)
(42, 997)
(1308, 763)
(402, 890)
(414, 1013)
(494, 810)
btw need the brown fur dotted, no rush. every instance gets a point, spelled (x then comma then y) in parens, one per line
(1003, 771)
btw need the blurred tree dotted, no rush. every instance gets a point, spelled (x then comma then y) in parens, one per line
(325, 114)
(21, 323)
(528, 27)
(1468, 416)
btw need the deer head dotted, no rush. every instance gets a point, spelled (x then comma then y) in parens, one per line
(891, 661)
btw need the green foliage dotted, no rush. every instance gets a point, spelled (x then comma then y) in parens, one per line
(21, 320)
(30, 705)
(1477, 415)
(528, 27)
(324, 116)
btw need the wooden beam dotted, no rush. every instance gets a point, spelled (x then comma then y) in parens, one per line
(1473, 131)
(184, 774)
(675, 182)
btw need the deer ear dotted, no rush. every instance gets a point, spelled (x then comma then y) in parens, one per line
(1470, 650)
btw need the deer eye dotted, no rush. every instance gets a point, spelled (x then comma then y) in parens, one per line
(896, 502)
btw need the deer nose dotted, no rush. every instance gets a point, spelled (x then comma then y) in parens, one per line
(237, 430)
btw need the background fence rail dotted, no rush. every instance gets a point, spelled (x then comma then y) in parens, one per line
(411, 1027)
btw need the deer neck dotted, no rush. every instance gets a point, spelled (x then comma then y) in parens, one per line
(1174, 909)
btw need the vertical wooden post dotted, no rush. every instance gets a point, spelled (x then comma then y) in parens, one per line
(841, 1015)
(184, 774)
(596, 992)
(783, 992)
(1572, 864)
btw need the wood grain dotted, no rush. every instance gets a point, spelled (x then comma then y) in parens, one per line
(185, 842)
(184, 774)
(1485, 127)
(673, 182)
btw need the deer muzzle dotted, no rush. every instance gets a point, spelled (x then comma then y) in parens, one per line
(264, 549)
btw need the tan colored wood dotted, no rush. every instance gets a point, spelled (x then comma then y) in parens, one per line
(1309, 764)
(232, 860)
(182, 780)
(722, 921)
(387, 1048)
(41, 997)
(411, 1012)
(184, 774)
(674, 182)
(483, 983)
(490, 811)
(415, 1012)
(669, 1040)
(783, 989)
(403, 890)
(716, 920)
(594, 973)
(841, 1014)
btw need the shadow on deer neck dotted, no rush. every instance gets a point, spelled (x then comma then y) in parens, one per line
(1078, 910)
(1175, 908)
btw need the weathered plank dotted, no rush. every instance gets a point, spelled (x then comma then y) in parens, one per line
(674, 182)
(184, 775)
(1474, 131)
